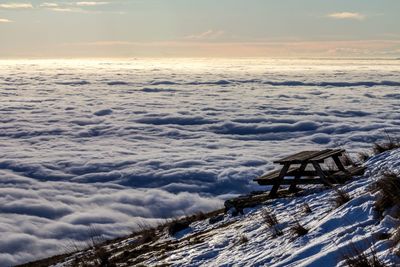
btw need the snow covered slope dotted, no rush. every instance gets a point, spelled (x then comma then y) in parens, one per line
(247, 240)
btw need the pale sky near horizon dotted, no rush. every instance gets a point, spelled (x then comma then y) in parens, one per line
(206, 28)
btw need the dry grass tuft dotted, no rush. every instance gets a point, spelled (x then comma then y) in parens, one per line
(389, 144)
(269, 218)
(103, 258)
(298, 229)
(306, 208)
(177, 225)
(243, 239)
(96, 254)
(363, 156)
(341, 198)
(272, 222)
(347, 160)
(395, 238)
(358, 258)
(383, 236)
(147, 235)
(389, 187)
(95, 237)
(199, 216)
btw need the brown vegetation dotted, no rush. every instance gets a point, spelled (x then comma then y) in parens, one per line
(359, 258)
(298, 229)
(389, 191)
(243, 239)
(272, 222)
(341, 197)
(363, 156)
(389, 144)
(347, 160)
(306, 208)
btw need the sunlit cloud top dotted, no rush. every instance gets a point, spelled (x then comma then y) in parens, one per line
(91, 3)
(347, 15)
(48, 4)
(5, 20)
(227, 28)
(16, 5)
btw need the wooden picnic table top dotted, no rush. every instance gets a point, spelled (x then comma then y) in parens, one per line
(310, 156)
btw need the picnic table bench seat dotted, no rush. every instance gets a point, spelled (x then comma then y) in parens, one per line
(275, 174)
(331, 176)
(348, 173)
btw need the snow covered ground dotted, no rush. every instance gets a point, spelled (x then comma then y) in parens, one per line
(332, 231)
(112, 144)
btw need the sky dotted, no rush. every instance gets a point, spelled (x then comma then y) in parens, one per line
(199, 28)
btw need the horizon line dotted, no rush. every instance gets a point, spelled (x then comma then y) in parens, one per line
(201, 57)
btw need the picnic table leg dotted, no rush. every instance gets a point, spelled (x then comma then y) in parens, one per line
(320, 173)
(278, 182)
(342, 168)
(292, 187)
(339, 163)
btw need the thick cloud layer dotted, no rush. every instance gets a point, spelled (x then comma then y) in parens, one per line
(115, 145)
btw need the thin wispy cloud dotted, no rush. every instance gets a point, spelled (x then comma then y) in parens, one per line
(91, 3)
(84, 7)
(101, 43)
(347, 15)
(16, 6)
(5, 21)
(49, 5)
(207, 35)
(62, 9)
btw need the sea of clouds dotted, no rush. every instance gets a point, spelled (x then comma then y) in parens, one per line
(115, 145)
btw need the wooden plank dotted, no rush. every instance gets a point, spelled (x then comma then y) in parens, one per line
(292, 172)
(357, 170)
(296, 156)
(320, 172)
(303, 181)
(275, 174)
(327, 154)
(311, 172)
(278, 181)
(292, 187)
(338, 163)
(348, 173)
(300, 157)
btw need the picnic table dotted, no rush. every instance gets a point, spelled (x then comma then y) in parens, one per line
(294, 166)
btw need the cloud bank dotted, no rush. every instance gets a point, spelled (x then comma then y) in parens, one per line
(193, 47)
(117, 144)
